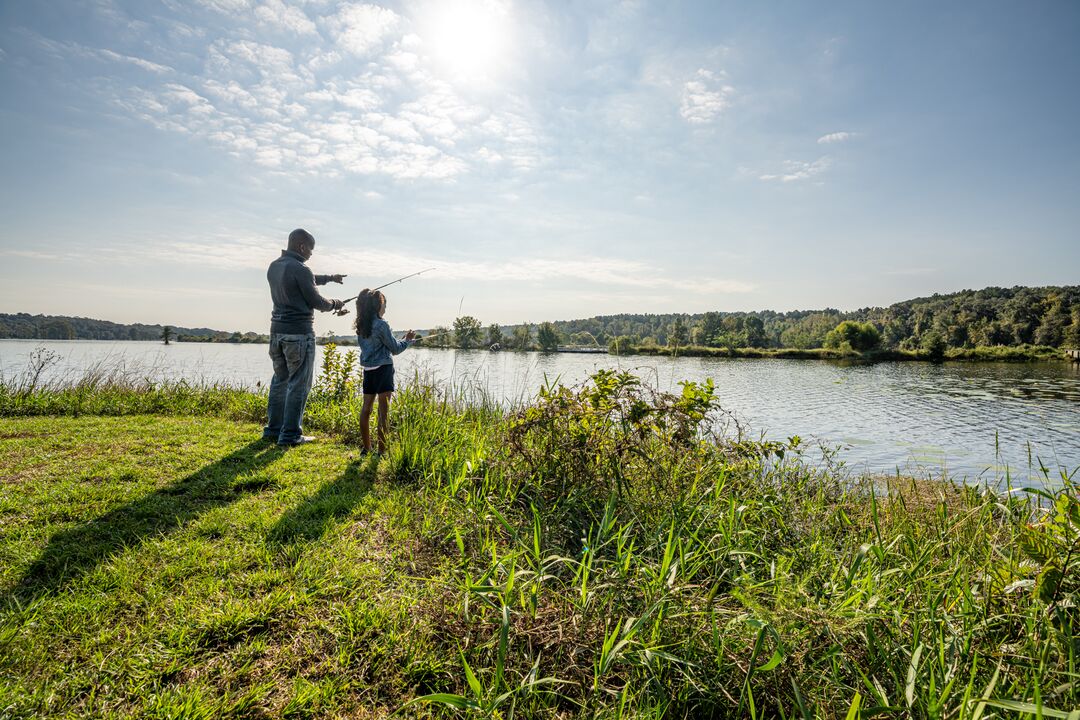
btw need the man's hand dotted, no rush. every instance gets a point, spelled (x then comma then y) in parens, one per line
(336, 278)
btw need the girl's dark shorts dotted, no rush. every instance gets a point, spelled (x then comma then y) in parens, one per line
(379, 380)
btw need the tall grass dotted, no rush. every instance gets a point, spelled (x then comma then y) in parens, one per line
(605, 552)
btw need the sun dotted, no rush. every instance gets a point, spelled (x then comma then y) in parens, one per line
(468, 39)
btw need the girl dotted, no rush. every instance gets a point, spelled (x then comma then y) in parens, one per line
(377, 348)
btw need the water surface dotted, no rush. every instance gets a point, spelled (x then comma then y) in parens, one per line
(970, 420)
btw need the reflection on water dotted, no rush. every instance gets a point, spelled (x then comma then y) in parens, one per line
(964, 418)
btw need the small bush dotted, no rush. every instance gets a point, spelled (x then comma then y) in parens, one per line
(856, 336)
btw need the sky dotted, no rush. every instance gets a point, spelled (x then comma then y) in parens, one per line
(552, 160)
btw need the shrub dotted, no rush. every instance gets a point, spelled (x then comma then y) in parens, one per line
(934, 345)
(860, 337)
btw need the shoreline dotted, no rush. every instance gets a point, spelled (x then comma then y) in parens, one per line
(977, 354)
(996, 353)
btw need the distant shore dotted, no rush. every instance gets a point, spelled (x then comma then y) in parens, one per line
(1021, 353)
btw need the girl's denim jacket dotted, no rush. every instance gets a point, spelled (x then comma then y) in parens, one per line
(378, 349)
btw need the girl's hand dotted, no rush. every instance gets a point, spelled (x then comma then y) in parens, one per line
(410, 335)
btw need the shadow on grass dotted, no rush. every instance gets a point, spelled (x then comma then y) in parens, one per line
(74, 552)
(310, 520)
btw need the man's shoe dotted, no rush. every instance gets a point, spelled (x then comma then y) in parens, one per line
(302, 440)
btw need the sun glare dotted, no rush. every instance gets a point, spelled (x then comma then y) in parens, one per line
(469, 39)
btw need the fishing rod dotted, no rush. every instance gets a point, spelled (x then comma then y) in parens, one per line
(433, 335)
(406, 277)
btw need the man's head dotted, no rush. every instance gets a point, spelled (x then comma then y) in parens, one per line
(303, 242)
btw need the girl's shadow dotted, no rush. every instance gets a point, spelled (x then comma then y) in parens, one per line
(310, 520)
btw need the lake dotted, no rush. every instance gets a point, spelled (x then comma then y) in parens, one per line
(969, 420)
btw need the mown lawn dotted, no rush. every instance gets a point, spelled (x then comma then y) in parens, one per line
(165, 566)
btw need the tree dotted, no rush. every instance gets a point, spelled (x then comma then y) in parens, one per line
(1022, 313)
(494, 335)
(709, 328)
(582, 338)
(933, 343)
(547, 336)
(678, 334)
(467, 331)
(753, 332)
(809, 331)
(860, 337)
(440, 337)
(1051, 330)
(59, 329)
(1072, 333)
(166, 334)
(522, 337)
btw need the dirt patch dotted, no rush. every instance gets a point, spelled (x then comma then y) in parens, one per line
(20, 435)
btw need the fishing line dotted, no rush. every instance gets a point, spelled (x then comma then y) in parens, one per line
(345, 311)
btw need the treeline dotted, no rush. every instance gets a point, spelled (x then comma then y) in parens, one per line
(991, 317)
(469, 332)
(1048, 316)
(932, 326)
(24, 326)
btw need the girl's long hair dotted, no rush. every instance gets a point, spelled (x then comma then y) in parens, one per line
(369, 304)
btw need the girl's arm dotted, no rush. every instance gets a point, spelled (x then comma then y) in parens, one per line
(393, 344)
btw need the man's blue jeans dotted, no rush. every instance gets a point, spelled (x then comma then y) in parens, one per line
(294, 368)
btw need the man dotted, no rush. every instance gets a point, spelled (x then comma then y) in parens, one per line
(292, 337)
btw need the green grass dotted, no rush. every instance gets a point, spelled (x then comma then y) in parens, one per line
(596, 553)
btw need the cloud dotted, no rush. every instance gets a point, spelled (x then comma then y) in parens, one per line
(310, 114)
(361, 29)
(60, 49)
(276, 13)
(227, 7)
(256, 253)
(33, 255)
(704, 98)
(317, 112)
(136, 61)
(836, 137)
(795, 170)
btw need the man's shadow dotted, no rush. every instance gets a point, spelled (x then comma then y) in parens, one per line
(310, 520)
(75, 551)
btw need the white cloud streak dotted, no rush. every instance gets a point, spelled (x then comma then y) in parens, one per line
(836, 137)
(73, 49)
(796, 170)
(33, 255)
(256, 254)
(136, 61)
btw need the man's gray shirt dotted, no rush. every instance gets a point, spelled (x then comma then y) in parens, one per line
(292, 288)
